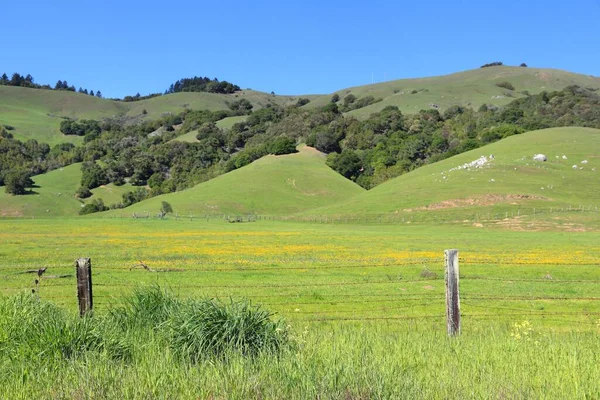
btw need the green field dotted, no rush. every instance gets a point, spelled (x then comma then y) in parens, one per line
(365, 305)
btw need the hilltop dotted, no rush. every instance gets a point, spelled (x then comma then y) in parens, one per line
(272, 185)
(36, 114)
(504, 180)
(470, 88)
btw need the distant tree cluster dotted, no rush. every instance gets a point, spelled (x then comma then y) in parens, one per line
(138, 97)
(200, 84)
(492, 64)
(28, 81)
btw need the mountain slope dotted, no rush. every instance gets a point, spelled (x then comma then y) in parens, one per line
(272, 185)
(36, 113)
(469, 88)
(511, 180)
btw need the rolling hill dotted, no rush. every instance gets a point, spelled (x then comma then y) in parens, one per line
(272, 185)
(54, 195)
(469, 88)
(36, 114)
(509, 181)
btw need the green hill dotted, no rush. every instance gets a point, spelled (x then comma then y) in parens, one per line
(469, 88)
(54, 195)
(272, 185)
(510, 181)
(36, 113)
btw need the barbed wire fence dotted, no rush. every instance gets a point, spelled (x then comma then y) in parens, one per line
(333, 307)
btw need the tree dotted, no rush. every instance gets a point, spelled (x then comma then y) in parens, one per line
(92, 175)
(17, 182)
(99, 94)
(335, 98)
(523, 65)
(348, 163)
(282, 145)
(4, 79)
(92, 93)
(165, 208)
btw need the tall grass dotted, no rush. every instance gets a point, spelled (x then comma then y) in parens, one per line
(343, 361)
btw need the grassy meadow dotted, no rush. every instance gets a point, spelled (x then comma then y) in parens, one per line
(364, 305)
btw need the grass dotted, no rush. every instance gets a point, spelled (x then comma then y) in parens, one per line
(36, 114)
(364, 320)
(273, 185)
(53, 195)
(468, 88)
(511, 181)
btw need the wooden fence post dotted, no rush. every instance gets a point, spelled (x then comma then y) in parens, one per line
(83, 266)
(452, 295)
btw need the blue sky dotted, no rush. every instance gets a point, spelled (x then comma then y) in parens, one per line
(300, 47)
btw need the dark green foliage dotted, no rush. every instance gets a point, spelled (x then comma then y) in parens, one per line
(81, 128)
(493, 64)
(282, 145)
(348, 163)
(96, 205)
(505, 85)
(302, 102)
(335, 98)
(199, 84)
(165, 207)
(523, 65)
(17, 182)
(83, 192)
(135, 196)
(240, 107)
(92, 175)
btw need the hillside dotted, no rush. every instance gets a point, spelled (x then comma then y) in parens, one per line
(36, 114)
(273, 185)
(511, 180)
(53, 195)
(469, 88)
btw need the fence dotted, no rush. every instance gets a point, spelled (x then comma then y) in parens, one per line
(418, 215)
(385, 298)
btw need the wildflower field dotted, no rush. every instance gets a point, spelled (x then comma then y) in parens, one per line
(363, 309)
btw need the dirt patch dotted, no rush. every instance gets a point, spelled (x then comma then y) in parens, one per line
(544, 76)
(487, 200)
(523, 224)
(428, 287)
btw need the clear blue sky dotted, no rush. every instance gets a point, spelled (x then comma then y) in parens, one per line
(290, 47)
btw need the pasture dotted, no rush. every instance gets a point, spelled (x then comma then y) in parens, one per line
(364, 304)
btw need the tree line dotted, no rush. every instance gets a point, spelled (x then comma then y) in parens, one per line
(369, 152)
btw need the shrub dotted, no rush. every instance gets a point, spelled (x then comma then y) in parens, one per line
(83, 192)
(282, 145)
(335, 98)
(505, 85)
(96, 205)
(493, 64)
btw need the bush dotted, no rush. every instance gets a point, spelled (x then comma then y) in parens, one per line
(493, 64)
(282, 145)
(83, 192)
(335, 98)
(96, 205)
(505, 85)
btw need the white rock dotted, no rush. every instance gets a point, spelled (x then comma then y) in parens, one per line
(584, 162)
(574, 166)
(540, 157)
(564, 157)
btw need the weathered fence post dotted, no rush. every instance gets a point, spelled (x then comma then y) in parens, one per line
(83, 266)
(452, 295)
